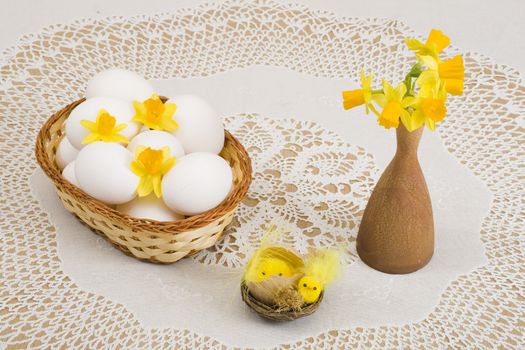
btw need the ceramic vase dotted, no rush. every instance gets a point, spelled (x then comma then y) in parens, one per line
(396, 234)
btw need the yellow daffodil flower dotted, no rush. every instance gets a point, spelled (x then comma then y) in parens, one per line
(155, 114)
(394, 104)
(429, 106)
(104, 129)
(353, 98)
(421, 98)
(451, 72)
(150, 165)
(435, 43)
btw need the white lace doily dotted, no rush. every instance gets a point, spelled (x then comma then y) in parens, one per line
(63, 286)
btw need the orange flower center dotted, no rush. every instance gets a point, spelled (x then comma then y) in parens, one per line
(390, 115)
(106, 123)
(353, 98)
(154, 108)
(434, 109)
(151, 160)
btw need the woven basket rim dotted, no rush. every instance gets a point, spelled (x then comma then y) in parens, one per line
(229, 204)
(271, 312)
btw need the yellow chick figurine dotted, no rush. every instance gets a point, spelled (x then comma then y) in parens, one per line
(320, 269)
(272, 260)
(269, 267)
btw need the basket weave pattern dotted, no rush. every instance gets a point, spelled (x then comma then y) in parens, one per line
(154, 241)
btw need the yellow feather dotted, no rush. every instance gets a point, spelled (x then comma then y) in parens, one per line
(270, 259)
(323, 265)
(321, 268)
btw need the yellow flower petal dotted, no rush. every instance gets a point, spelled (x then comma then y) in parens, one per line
(414, 44)
(156, 182)
(138, 168)
(169, 125)
(429, 61)
(399, 92)
(388, 89)
(429, 78)
(366, 86)
(120, 127)
(380, 99)
(165, 152)
(90, 138)
(429, 123)
(438, 39)
(168, 164)
(139, 150)
(145, 186)
(353, 98)
(150, 165)
(454, 87)
(156, 115)
(417, 120)
(140, 109)
(434, 109)
(170, 109)
(406, 120)
(118, 138)
(435, 43)
(89, 125)
(390, 115)
(408, 101)
(103, 129)
(452, 68)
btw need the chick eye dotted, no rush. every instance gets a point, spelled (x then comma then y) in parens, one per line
(315, 288)
(280, 273)
(304, 285)
(264, 273)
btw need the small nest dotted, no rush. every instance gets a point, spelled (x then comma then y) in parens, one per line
(275, 312)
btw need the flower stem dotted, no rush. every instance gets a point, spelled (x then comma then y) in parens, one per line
(415, 71)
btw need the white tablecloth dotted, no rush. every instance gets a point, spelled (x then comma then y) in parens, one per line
(275, 73)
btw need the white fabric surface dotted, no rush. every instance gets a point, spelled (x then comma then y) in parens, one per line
(363, 297)
(494, 28)
(467, 297)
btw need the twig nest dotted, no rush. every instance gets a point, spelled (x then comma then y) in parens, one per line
(276, 312)
(289, 297)
(270, 286)
(276, 290)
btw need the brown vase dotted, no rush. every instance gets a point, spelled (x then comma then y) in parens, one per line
(397, 230)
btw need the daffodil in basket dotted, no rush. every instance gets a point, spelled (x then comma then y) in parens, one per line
(396, 234)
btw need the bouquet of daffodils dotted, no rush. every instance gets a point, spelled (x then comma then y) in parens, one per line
(421, 97)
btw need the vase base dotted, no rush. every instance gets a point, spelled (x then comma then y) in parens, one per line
(392, 268)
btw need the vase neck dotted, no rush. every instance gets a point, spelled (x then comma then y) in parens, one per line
(407, 142)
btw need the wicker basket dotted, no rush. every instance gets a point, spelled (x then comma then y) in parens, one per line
(275, 313)
(154, 241)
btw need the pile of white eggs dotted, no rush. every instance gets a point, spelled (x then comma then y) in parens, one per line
(198, 181)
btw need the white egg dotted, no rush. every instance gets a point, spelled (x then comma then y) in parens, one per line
(149, 207)
(157, 139)
(200, 128)
(197, 183)
(69, 173)
(103, 171)
(123, 112)
(119, 83)
(65, 154)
